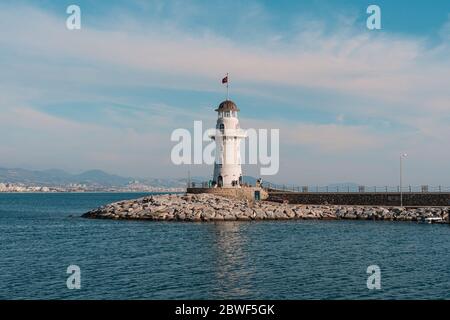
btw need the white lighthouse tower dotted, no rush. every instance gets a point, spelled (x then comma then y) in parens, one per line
(227, 166)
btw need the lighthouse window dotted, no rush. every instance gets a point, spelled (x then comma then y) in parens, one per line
(222, 127)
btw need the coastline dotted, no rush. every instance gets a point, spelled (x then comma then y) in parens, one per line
(214, 208)
(88, 192)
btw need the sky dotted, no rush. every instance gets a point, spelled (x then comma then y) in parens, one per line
(347, 100)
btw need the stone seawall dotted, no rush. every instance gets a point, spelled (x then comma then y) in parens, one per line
(210, 207)
(366, 198)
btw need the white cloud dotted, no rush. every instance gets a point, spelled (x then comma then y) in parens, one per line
(381, 76)
(30, 136)
(335, 138)
(386, 67)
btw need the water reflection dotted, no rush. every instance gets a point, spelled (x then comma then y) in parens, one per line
(233, 268)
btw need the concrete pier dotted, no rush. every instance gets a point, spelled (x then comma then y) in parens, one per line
(419, 199)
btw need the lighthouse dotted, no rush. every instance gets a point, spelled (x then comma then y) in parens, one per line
(228, 135)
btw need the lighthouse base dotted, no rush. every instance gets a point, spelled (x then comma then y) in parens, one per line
(244, 193)
(227, 175)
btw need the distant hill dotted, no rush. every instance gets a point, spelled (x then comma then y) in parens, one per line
(56, 177)
(101, 178)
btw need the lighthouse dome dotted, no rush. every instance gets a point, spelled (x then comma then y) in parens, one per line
(227, 105)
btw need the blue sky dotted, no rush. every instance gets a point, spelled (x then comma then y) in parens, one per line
(347, 100)
(419, 17)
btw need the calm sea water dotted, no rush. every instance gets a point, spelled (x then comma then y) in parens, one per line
(42, 234)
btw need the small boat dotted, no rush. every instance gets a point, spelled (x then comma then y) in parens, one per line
(431, 220)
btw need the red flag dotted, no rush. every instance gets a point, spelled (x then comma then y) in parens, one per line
(225, 80)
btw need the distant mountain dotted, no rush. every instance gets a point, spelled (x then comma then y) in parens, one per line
(47, 177)
(101, 178)
(56, 177)
(165, 183)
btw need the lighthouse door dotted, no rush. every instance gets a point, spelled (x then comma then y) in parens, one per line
(220, 182)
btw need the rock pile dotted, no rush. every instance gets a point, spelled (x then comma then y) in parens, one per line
(209, 207)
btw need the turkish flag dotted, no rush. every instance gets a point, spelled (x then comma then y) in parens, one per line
(225, 80)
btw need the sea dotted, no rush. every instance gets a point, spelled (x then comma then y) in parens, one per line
(42, 235)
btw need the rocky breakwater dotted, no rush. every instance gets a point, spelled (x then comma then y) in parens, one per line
(209, 207)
